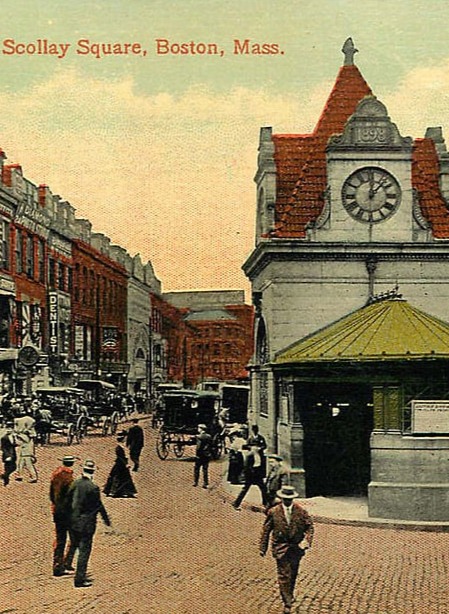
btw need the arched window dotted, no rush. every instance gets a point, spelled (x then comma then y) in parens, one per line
(261, 343)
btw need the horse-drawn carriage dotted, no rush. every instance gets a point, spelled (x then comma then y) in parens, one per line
(60, 413)
(100, 400)
(183, 411)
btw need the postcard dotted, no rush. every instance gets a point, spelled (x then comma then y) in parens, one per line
(224, 236)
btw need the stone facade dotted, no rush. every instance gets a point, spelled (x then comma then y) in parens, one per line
(347, 212)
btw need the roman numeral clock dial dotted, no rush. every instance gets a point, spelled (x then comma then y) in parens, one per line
(371, 195)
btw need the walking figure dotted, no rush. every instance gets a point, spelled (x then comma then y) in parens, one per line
(86, 504)
(254, 474)
(27, 458)
(60, 482)
(134, 443)
(9, 455)
(291, 528)
(202, 456)
(120, 482)
(276, 478)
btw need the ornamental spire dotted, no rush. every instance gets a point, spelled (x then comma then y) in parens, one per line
(349, 51)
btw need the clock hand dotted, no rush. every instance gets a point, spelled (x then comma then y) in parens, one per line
(380, 185)
(371, 184)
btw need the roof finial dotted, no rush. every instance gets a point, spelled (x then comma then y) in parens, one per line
(349, 50)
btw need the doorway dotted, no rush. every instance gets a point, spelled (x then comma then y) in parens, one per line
(337, 421)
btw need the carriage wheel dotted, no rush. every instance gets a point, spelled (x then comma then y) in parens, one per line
(114, 422)
(178, 447)
(162, 445)
(105, 425)
(70, 433)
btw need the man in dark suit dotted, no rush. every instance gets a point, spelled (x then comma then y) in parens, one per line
(203, 455)
(255, 438)
(9, 455)
(276, 478)
(254, 472)
(85, 505)
(134, 442)
(291, 527)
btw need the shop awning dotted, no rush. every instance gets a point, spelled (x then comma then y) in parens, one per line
(385, 330)
(8, 354)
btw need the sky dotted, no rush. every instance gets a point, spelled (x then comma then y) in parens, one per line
(159, 150)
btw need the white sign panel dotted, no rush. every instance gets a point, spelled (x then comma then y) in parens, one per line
(430, 417)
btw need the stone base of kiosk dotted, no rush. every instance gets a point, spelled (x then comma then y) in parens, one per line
(409, 477)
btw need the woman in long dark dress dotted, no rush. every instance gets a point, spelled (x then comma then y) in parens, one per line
(119, 482)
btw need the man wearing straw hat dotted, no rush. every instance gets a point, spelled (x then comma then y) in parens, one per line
(292, 533)
(86, 504)
(60, 482)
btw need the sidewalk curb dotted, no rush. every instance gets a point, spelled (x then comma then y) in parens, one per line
(372, 523)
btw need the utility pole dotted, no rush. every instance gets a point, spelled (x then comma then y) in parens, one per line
(97, 329)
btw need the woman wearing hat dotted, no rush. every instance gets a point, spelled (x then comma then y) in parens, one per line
(291, 528)
(119, 482)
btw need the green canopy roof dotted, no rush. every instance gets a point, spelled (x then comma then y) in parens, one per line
(385, 330)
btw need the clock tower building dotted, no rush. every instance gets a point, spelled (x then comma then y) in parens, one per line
(344, 214)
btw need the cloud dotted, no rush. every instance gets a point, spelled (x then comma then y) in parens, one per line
(421, 100)
(169, 177)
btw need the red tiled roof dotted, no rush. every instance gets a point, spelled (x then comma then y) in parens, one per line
(425, 179)
(301, 159)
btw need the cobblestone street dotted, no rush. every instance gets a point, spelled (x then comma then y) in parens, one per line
(180, 550)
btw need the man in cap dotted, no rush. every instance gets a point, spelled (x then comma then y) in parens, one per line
(86, 504)
(276, 478)
(203, 455)
(291, 527)
(60, 481)
(134, 443)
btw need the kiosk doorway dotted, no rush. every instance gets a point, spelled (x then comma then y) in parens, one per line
(337, 421)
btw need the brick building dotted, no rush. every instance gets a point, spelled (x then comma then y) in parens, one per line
(219, 343)
(99, 313)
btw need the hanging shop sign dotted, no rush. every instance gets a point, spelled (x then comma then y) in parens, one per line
(53, 322)
(430, 417)
(110, 339)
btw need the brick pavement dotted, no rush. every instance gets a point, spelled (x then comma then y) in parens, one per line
(180, 550)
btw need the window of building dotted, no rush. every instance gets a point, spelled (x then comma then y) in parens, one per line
(4, 244)
(41, 260)
(76, 290)
(19, 251)
(61, 276)
(29, 256)
(69, 279)
(51, 273)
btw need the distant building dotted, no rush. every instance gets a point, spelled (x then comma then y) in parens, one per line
(219, 343)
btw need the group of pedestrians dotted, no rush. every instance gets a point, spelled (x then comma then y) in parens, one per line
(17, 446)
(286, 521)
(75, 506)
(76, 503)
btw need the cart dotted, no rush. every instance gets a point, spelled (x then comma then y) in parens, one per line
(67, 418)
(102, 410)
(183, 411)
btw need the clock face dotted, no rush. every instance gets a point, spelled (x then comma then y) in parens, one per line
(371, 195)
